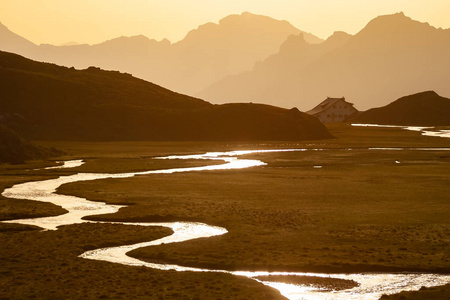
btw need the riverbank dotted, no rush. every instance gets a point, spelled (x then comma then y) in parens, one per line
(331, 208)
(45, 265)
(433, 293)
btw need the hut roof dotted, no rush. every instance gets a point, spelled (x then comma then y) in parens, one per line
(325, 104)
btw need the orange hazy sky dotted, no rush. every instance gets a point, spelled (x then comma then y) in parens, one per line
(94, 21)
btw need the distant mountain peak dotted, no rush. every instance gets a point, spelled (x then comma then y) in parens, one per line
(400, 16)
(249, 24)
(338, 34)
(136, 39)
(394, 23)
(294, 43)
(399, 21)
(245, 14)
(236, 25)
(258, 20)
(395, 29)
(165, 42)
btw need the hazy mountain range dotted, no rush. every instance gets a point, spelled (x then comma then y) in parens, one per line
(277, 77)
(49, 102)
(252, 58)
(391, 57)
(206, 55)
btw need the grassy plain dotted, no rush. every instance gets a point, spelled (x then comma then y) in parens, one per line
(38, 264)
(333, 210)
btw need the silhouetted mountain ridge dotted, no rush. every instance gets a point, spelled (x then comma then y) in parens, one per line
(60, 103)
(421, 109)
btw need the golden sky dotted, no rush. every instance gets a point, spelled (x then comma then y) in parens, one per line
(94, 21)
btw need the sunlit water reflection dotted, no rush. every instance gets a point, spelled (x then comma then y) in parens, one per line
(371, 286)
(428, 131)
(67, 164)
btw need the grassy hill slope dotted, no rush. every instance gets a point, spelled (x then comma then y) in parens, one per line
(59, 103)
(422, 109)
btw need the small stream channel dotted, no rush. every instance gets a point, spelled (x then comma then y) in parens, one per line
(370, 285)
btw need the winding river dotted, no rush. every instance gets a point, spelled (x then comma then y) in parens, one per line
(370, 285)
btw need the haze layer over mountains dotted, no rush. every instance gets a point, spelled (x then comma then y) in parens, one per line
(251, 58)
(391, 57)
(206, 55)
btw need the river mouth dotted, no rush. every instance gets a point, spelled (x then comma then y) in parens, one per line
(370, 286)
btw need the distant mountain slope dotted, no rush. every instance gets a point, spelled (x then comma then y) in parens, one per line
(11, 42)
(213, 51)
(58, 103)
(205, 55)
(276, 71)
(241, 39)
(392, 56)
(422, 109)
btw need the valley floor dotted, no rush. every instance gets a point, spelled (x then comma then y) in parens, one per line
(339, 206)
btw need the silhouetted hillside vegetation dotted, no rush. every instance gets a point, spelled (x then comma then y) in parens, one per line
(59, 103)
(422, 109)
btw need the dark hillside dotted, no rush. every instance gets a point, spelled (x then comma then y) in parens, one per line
(14, 149)
(59, 103)
(422, 109)
(247, 121)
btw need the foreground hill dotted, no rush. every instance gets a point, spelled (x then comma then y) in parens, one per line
(422, 109)
(205, 55)
(391, 57)
(14, 149)
(58, 103)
